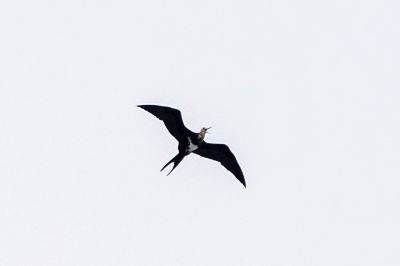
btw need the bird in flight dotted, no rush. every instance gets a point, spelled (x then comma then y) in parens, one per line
(190, 142)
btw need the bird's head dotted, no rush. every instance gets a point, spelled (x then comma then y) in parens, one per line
(203, 132)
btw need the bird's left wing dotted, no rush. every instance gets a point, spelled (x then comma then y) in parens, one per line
(222, 154)
(172, 119)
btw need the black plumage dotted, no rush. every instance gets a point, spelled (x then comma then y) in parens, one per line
(190, 142)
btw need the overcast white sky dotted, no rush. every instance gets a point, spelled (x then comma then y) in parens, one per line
(306, 94)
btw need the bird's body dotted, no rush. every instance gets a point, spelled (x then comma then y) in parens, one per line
(192, 146)
(190, 142)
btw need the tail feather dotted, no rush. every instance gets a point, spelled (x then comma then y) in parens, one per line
(176, 160)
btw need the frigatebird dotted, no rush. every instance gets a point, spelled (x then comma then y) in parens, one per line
(190, 142)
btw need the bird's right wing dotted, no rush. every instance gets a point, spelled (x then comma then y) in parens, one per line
(171, 117)
(222, 154)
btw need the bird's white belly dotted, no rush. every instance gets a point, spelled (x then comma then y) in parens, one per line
(191, 147)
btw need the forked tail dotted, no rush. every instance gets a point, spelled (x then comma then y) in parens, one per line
(176, 160)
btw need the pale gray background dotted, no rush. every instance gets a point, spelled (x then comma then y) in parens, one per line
(306, 93)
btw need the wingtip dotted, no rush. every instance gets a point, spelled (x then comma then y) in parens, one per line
(142, 106)
(242, 180)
